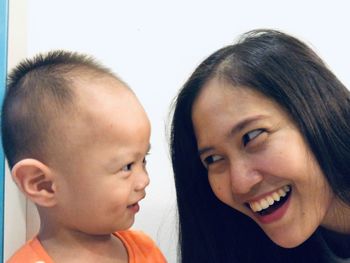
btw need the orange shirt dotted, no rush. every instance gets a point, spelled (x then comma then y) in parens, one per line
(140, 248)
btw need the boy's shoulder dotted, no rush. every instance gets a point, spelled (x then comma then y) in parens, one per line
(141, 248)
(136, 237)
(31, 252)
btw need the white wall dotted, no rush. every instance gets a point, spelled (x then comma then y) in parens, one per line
(155, 45)
(15, 205)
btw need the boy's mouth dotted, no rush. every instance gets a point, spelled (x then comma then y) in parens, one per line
(270, 203)
(134, 207)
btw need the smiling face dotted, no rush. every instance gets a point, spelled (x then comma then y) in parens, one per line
(100, 169)
(258, 162)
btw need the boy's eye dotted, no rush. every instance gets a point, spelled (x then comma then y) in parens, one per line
(145, 158)
(127, 167)
(211, 159)
(144, 161)
(251, 136)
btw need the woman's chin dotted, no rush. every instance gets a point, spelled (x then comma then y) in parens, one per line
(287, 241)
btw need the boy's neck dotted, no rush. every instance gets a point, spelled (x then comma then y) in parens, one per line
(65, 245)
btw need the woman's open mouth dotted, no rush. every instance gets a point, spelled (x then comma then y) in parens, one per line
(273, 206)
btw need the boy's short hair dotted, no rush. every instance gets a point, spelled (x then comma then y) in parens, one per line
(40, 91)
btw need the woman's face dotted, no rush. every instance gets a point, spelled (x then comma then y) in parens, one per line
(259, 163)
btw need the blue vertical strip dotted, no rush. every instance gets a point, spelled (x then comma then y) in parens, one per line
(3, 72)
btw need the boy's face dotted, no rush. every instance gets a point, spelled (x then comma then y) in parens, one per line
(101, 173)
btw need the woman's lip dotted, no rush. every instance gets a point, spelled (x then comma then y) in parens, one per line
(263, 195)
(275, 215)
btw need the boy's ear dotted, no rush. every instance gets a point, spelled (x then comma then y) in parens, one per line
(36, 181)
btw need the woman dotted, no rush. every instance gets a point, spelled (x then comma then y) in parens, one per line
(260, 147)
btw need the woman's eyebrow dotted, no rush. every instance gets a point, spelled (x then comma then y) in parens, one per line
(204, 150)
(244, 123)
(235, 129)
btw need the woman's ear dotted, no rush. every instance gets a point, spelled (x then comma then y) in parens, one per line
(36, 181)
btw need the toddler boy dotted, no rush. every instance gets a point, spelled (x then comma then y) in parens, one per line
(76, 137)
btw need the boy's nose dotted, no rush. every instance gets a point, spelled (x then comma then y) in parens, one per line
(243, 177)
(142, 180)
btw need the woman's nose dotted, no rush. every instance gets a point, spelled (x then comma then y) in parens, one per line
(243, 176)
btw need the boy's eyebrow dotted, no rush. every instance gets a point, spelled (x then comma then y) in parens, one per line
(116, 159)
(235, 129)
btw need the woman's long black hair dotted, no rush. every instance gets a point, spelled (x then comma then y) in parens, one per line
(286, 70)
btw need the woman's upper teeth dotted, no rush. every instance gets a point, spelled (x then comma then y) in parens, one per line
(270, 199)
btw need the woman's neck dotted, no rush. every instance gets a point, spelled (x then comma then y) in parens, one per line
(338, 217)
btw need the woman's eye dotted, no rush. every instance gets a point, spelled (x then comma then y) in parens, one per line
(251, 136)
(211, 159)
(127, 167)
